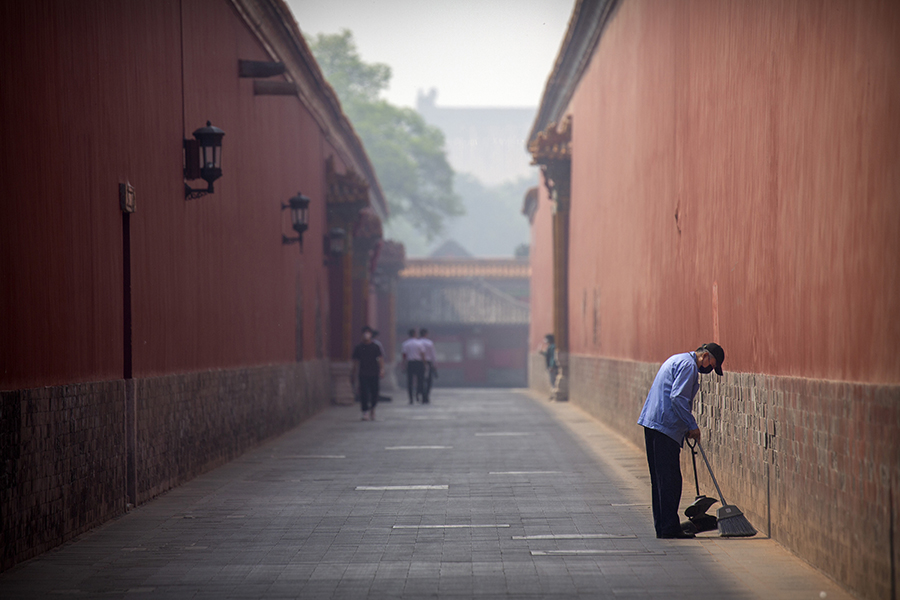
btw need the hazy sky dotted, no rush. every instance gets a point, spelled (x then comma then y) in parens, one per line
(475, 52)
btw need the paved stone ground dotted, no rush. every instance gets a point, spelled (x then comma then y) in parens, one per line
(482, 494)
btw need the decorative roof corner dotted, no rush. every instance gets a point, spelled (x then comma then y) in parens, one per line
(553, 143)
(346, 194)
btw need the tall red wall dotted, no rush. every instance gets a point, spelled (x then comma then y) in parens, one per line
(212, 284)
(229, 326)
(80, 112)
(736, 177)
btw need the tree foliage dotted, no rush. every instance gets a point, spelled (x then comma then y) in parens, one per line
(407, 153)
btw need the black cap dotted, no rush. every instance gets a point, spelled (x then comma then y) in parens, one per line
(717, 351)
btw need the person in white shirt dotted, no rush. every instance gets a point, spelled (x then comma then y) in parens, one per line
(414, 360)
(430, 359)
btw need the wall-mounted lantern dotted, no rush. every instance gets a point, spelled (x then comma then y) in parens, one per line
(203, 159)
(299, 207)
(334, 244)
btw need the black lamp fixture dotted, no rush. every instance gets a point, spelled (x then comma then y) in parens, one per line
(299, 206)
(203, 159)
(334, 243)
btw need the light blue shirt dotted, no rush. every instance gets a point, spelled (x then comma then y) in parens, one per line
(668, 405)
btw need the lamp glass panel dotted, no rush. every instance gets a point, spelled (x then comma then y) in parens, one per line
(211, 156)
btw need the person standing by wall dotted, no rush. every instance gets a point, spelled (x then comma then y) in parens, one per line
(414, 360)
(430, 358)
(548, 349)
(667, 421)
(368, 368)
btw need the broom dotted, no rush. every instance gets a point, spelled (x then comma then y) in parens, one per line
(730, 519)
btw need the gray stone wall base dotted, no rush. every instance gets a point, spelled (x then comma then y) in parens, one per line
(191, 423)
(814, 464)
(74, 456)
(62, 464)
(342, 391)
(538, 377)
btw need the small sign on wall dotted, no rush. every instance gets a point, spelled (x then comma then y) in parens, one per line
(126, 198)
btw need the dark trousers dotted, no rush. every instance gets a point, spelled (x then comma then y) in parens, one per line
(415, 369)
(429, 378)
(665, 479)
(368, 391)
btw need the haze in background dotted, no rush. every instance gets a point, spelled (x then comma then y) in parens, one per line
(474, 52)
(458, 62)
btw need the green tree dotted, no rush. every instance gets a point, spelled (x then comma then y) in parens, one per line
(407, 153)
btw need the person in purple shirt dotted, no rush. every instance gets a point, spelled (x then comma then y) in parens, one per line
(667, 421)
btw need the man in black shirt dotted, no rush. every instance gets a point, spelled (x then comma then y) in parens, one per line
(368, 364)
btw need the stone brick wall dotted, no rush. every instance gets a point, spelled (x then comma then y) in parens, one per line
(190, 423)
(538, 378)
(64, 452)
(815, 464)
(62, 464)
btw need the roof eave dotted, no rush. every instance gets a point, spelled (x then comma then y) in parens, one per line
(589, 18)
(275, 27)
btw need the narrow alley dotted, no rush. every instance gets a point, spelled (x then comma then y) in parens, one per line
(482, 494)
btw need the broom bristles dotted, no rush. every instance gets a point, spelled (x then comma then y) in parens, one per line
(733, 523)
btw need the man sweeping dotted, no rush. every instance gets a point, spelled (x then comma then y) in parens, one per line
(667, 421)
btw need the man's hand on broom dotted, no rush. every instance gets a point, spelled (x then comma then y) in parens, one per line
(694, 434)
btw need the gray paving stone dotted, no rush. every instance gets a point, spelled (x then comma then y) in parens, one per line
(286, 520)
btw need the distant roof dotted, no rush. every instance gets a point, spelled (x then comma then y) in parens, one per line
(463, 301)
(450, 249)
(448, 268)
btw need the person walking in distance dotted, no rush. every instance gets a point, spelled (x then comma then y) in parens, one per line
(368, 368)
(430, 358)
(667, 421)
(414, 360)
(377, 342)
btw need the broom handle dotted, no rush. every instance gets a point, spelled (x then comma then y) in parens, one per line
(716, 483)
(694, 462)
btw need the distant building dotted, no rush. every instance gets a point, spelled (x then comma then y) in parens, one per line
(476, 311)
(450, 249)
(486, 142)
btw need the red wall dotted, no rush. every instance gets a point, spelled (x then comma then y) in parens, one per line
(91, 97)
(736, 177)
(212, 284)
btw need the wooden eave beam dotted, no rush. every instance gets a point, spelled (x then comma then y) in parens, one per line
(260, 68)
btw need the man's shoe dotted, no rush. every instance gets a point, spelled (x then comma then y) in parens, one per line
(680, 535)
